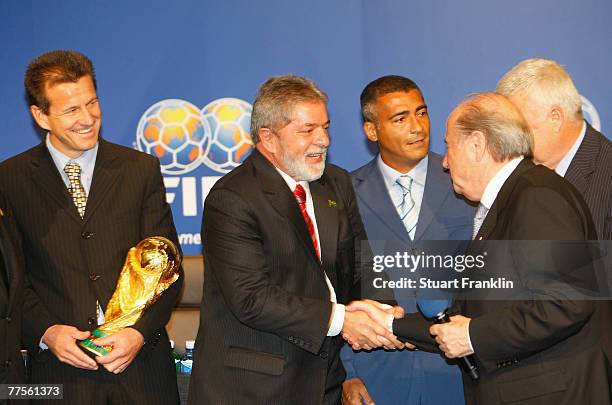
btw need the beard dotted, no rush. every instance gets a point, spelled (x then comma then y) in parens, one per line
(297, 167)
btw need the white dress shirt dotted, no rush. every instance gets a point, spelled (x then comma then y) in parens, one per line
(337, 321)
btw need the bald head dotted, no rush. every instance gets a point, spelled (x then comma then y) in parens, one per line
(502, 124)
(483, 133)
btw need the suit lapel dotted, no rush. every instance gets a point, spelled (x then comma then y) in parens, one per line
(437, 188)
(583, 163)
(106, 173)
(501, 200)
(325, 203)
(282, 199)
(46, 175)
(371, 190)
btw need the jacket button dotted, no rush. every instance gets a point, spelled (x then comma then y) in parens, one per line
(8, 363)
(87, 235)
(8, 319)
(91, 320)
(94, 276)
(323, 355)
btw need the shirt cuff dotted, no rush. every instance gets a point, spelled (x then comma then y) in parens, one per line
(337, 321)
(42, 345)
(389, 321)
(469, 339)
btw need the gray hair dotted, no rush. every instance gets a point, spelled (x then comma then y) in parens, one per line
(273, 106)
(546, 81)
(505, 129)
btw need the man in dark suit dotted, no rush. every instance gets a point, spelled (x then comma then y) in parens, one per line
(564, 142)
(282, 248)
(395, 117)
(11, 299)
(540, 342)
(80, 204)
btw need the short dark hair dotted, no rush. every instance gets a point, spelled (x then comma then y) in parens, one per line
(378, 88)
(55, 67)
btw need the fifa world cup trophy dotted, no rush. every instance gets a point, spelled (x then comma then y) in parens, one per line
(150, 269)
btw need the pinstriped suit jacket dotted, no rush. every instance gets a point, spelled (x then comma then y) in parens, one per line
(74, 262)
(591, 173)
(265, 307)
(11, 299)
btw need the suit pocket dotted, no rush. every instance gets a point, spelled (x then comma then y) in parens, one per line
(532, 387)
(259, 362)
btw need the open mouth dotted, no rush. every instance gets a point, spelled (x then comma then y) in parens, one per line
(417, 142)
(84, 131)
(316, 155)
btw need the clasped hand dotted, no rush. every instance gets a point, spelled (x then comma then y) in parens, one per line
(367, 325)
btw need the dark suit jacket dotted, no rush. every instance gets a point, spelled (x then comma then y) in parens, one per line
(591, 173)
(71, 262)
(11, 299)
(538, 350)
(401, 376)
(265, 307)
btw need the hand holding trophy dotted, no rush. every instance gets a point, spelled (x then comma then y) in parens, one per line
(150, 269)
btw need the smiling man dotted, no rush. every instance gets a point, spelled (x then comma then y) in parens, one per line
(81, 203)
(281, 236)
(404, 197)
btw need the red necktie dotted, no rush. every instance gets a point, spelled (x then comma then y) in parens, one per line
(300, 196)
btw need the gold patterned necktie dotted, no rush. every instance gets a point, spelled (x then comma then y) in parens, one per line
(76, 189)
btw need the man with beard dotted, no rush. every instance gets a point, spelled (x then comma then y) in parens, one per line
(282, 238)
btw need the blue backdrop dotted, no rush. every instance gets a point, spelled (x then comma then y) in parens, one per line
(200, 51)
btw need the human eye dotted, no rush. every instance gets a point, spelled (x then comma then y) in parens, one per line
(70, 111)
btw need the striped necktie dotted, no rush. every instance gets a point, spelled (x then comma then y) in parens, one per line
(300, 196)
(75, 188)
(481, 214)
(406, 207)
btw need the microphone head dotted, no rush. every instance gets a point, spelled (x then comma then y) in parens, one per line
(431, 308)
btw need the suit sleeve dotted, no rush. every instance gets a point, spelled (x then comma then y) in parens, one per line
(156, 220)
(235, 257)
(36, 318)
(543, 216)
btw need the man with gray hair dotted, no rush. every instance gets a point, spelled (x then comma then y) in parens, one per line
(282, 237)
(530, 343)
(546, 95)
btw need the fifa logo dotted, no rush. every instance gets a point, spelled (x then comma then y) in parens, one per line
(184, 137)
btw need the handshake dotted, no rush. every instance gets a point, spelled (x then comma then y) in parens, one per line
(368, 325)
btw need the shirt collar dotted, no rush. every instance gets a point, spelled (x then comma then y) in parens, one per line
(563, 165)
(291, 181)
(497, 182)
(87, 160)
(418, 174)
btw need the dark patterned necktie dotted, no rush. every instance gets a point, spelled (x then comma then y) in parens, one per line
(76, 189)
(300, 196)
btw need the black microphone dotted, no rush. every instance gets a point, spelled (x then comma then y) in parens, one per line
(436, 310)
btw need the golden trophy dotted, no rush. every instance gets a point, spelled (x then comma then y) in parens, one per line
(150, 268)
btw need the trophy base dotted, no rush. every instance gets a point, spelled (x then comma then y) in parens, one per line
(90, 348)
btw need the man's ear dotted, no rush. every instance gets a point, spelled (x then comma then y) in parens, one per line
(370, 131)
(40, 117)
(556, 117)
(267, 139)
(478, 145)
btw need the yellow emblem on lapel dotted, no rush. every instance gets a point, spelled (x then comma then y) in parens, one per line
(332, 203)
(1, 212)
